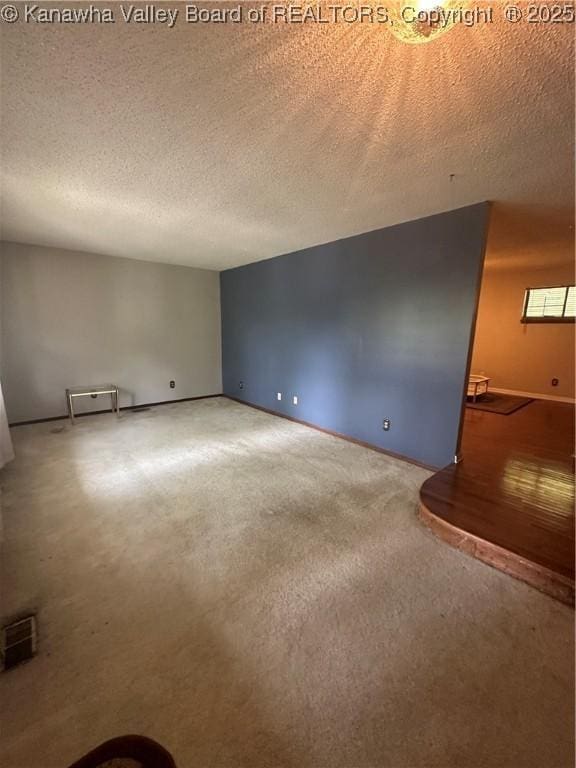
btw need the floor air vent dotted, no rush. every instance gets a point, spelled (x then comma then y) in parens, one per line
(19, 641)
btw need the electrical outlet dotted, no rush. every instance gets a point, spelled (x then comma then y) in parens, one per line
(295, 400)
(241, 385)
(279, 396)
(172, 384)
(555, 382)
(386, 425)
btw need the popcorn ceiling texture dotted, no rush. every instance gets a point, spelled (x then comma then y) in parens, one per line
(216, 145)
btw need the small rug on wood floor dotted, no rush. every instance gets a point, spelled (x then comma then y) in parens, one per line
(127, 752)
(498, 403)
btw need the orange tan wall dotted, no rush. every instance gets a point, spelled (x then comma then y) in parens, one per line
(517, 356)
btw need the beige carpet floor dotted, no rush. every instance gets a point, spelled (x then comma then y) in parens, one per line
(252, 593)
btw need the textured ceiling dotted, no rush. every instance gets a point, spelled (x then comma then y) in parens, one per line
(216, 145)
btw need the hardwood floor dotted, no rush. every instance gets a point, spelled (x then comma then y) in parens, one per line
(511, 500)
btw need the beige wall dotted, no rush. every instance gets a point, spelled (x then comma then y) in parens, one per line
(522, 357)
(72, 318)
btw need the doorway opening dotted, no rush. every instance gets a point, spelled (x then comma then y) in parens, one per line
(510, 498)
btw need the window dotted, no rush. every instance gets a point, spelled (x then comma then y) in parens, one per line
(550, 305)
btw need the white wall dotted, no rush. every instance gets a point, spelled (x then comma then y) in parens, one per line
(70, 318)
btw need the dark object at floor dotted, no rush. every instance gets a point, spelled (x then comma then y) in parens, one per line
(140, 409)
(133, 749)
(19, 641)
(494, 402)
(510, 502)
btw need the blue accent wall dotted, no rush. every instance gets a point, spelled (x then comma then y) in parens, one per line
(371, 327)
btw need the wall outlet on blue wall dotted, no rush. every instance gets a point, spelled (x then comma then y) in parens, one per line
(295, 320)
(386, 425)
(279, 396)
(241, 385)
(295, 400)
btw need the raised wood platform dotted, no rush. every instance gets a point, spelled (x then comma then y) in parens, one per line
(510, 502)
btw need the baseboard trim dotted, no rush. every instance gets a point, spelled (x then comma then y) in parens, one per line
(534, 395)
(331, 432)
(107, 410)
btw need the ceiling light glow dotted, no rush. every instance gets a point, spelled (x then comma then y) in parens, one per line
(422, 21)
